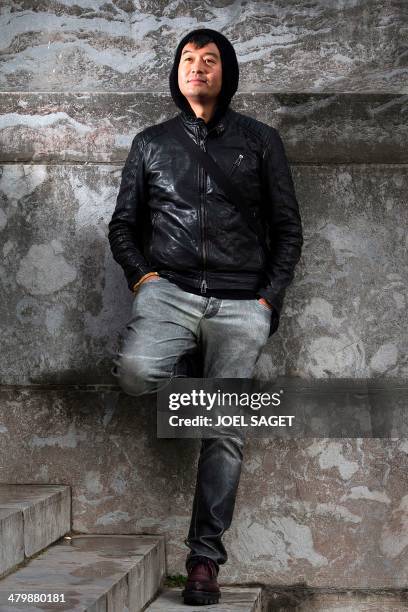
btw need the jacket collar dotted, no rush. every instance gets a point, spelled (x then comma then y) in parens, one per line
(217, 122)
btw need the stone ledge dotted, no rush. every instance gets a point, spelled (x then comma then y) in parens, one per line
(331, 128)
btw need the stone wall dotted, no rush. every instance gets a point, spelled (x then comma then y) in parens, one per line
(78, 81)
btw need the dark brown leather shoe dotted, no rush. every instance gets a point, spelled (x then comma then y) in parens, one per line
(202, 587)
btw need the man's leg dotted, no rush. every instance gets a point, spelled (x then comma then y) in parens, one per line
(233, 334)
(160, 333)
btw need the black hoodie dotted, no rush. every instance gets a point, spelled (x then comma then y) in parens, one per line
(230, 75)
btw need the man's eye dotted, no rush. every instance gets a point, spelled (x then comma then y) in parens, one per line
(207, 60)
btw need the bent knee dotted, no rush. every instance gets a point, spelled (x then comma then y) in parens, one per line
(136, 376)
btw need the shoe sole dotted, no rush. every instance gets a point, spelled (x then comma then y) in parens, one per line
(200, 598)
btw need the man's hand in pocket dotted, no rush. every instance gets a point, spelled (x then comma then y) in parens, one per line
(265, 303)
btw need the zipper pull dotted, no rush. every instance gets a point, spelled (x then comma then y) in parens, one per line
(237, 162)
(203, 286)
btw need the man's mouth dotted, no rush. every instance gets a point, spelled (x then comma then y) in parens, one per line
(196, 81)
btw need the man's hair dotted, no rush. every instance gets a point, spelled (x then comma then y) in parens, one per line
(199, 40)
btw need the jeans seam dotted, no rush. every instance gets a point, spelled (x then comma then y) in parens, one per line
(198, 497)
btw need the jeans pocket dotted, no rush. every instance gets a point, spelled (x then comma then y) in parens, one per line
(148, 282)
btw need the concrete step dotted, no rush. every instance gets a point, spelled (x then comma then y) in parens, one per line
(93, 573)
(233, 599)
(31, 518)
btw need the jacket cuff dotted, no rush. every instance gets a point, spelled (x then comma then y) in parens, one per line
(137, 275)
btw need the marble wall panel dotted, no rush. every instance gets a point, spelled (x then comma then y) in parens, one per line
(327, 513)
(99, 127)
(66, 301)
(351, 277)
(95, 45)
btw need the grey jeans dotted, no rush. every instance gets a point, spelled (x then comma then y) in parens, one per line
(167, 322)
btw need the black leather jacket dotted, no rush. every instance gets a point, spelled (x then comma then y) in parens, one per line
(171, 217)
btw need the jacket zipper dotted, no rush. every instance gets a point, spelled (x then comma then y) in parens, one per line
(202, 196)
(202, 184)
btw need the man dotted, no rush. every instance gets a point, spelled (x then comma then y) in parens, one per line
(200, 274)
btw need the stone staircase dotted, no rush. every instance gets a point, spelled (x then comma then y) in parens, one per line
(122, 573)
(93, 573)
(31, 518)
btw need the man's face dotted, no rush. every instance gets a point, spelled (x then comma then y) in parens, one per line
(200, 72)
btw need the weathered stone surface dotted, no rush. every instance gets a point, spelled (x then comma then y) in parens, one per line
(233, 599)
(41, 514)
(344, 315)
(93, 573)
(110, 46)
(349, 300)
(99, 127)
(325, 513)
(11, 538)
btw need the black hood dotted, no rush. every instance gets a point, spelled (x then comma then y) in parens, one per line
(230, 75)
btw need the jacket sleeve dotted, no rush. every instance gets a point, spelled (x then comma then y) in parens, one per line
(281, 210)
(126, 226)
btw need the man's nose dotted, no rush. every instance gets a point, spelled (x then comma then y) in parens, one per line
(196, 65)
